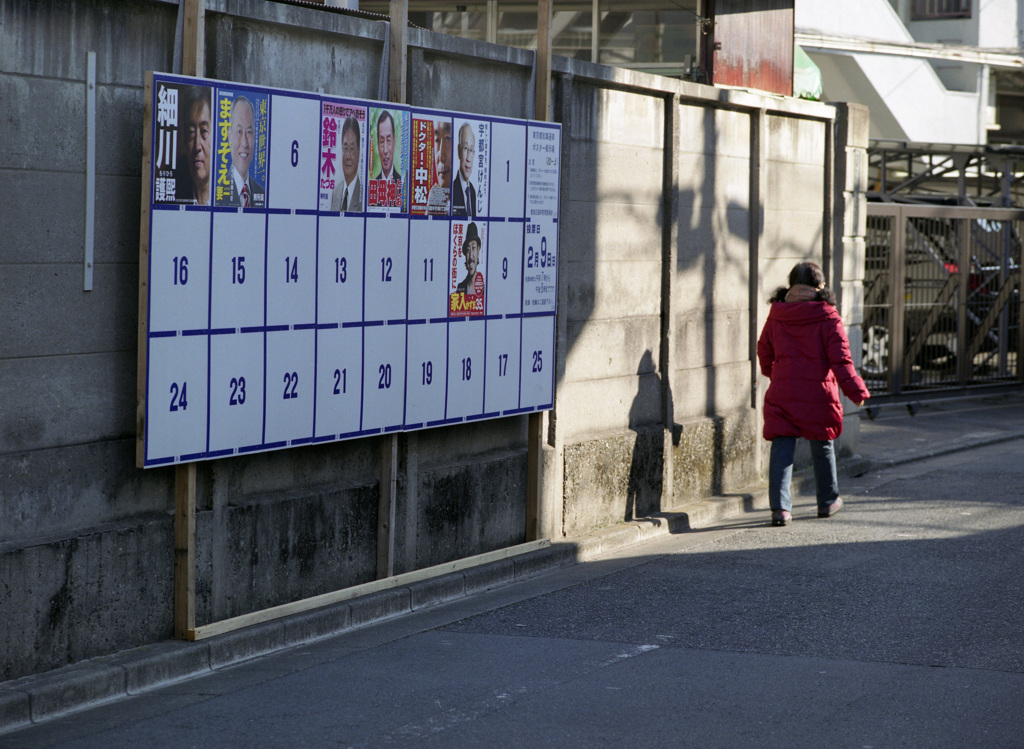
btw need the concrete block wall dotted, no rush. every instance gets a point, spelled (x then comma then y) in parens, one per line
(653, 369)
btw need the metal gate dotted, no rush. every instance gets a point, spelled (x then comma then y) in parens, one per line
(941, 298)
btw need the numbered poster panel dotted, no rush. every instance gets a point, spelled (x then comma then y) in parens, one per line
(236, 393)
(339, 388)
(383, 375)
(291, 269)
(320, 268)
(426, 374)
(505, 268)
(466, 368)
(508, 175)
(179, 268)
(466, 263)
(238, 270)
(537, 381)
(294, 153)
(342, 146)
(387, 244)
(176, 399)
(501, 387)
(428, 269)
(291, 384)
(388, 164)
(339, 295)
(243, 125)
(184, 144)
(470, 184)
(431, 165)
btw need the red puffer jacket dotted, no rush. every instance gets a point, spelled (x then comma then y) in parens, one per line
(804, 350)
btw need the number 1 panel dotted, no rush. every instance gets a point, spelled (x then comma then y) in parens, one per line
(508, 170)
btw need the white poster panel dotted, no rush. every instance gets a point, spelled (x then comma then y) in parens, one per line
(505, 268)
(291, 269)
(466, 368)
(176, 399)
(508, 169)
(387, 243)
(542, 171)
(238, 270)
(501, 386)
(428, 261)
(294, 152)
(537, 383)
(339, 381)
(383, 375)
(179, 270)
(426, 370)
(291, 386)
(340, 269)
(540, 271)
(236, 391)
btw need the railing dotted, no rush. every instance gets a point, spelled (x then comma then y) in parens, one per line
(923, 10)
(941, 298)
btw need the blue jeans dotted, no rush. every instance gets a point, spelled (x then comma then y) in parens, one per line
(780, 472)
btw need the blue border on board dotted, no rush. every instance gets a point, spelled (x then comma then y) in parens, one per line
(272, 93)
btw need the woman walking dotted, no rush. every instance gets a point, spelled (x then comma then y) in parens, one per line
(804, 351)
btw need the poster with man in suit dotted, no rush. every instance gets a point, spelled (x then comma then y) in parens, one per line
(241, 160)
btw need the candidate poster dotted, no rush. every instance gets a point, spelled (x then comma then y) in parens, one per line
(388, 183)
(342, 135)
(466, 283)
(241, 157)
(183, 158)
(431, 166)
(472, 168)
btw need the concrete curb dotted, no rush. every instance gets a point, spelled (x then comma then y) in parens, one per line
(40, 697)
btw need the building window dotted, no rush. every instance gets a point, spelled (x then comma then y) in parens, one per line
(924, 10)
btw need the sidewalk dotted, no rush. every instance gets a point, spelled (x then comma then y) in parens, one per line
(895, 436)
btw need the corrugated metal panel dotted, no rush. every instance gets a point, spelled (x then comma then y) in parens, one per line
(754, 44)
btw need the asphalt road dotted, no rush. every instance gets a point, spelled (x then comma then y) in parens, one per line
(899, 622)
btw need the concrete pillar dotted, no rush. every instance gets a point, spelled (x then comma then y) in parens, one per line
(849, 232)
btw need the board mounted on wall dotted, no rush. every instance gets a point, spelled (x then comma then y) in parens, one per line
(316, 268)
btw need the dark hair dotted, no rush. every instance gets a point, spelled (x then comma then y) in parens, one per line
(807, 274)
(352, 124)
(385, 115)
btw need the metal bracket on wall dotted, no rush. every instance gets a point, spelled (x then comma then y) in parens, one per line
(90, 169)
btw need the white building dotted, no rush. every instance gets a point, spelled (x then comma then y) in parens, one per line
(931, 71)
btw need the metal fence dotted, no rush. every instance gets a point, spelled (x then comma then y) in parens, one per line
(941, 298)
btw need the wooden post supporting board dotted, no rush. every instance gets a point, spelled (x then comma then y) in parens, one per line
(192, 63)
(535, 516)
(397, 93)
(184, 550)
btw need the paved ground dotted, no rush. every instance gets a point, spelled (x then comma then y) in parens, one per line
(900, 622)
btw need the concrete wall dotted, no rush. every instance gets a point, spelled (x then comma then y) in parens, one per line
(677, 199)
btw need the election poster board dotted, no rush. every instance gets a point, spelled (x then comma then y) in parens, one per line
(316, 268)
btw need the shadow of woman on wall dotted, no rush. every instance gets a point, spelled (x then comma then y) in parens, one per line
(645, 482)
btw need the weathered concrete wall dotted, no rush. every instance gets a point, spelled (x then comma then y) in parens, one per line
(654, 378)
